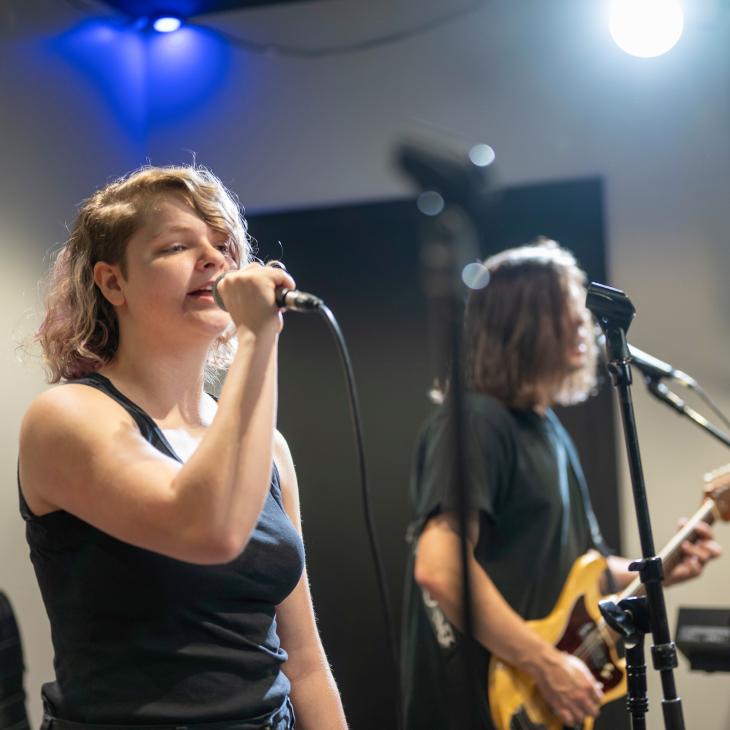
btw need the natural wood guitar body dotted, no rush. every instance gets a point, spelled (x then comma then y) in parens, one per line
(575, 626)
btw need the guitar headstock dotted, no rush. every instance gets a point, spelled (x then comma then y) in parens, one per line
(717, 488)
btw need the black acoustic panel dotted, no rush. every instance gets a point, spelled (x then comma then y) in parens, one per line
(186, 8)
(364, 261)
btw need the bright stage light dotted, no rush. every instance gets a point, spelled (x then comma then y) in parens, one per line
(167, 24)
(646, 28)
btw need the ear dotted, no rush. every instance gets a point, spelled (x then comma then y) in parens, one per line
(108, 277)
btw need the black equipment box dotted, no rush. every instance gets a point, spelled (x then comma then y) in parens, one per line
(703, 636)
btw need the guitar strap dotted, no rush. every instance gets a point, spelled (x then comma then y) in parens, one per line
(597, 538)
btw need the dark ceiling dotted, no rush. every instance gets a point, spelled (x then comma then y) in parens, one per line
(186, 8)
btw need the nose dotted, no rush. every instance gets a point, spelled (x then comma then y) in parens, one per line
(212, 258)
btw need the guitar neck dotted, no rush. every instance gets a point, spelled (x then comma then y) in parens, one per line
(672, 552)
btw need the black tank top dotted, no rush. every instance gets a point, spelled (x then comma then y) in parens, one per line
(140, 638)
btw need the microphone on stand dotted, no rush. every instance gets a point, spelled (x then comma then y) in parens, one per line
(292, 300)
(656, 369)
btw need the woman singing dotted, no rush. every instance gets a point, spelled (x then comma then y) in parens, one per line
(164, 526)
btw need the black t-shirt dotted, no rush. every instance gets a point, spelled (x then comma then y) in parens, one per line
(141, 638)
(535, 519)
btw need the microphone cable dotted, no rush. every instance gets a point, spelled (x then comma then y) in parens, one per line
(298, 301)
(711, 404)
(355, 414)
(687, 381)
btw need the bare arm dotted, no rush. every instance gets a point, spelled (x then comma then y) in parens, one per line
(564, 681)
(97, 466)
(314, 692)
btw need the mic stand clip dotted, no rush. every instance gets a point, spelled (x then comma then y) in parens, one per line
(630, 619)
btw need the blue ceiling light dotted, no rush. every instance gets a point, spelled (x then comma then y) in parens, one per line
(166, 24)
(148, 75)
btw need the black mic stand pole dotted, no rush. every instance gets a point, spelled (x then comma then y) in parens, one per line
(660, 391)
(444, 237)
(448, 243)
(635, 617)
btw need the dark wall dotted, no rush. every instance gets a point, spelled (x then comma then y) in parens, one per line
(363, 260)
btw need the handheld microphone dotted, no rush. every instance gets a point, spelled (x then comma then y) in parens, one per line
(656, 369)
(296, 301)
(290, 299)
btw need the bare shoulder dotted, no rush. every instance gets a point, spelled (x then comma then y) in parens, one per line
(68, 396)
(72, 426)
(66, 412)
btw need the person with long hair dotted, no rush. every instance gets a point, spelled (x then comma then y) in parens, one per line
(163, 523)
(528, 344)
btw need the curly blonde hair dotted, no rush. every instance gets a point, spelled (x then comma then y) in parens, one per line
(79, 332)
(515, 338)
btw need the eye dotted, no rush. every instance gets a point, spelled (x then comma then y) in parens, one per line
(226, 249)
(174, 248)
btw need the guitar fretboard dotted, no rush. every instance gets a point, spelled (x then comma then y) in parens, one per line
(672, 552)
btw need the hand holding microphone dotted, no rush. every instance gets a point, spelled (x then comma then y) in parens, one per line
(286, 296)
(293, 299)
(248, 294)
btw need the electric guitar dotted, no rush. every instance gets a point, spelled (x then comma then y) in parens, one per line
(576, 626)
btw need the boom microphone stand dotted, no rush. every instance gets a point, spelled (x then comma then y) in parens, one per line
(448, 243)
(660, 391)
(635, 617)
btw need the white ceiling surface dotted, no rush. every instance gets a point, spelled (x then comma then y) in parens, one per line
(540, 81)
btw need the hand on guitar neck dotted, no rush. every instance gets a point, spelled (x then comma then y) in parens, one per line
(695, 553)
(684, 558)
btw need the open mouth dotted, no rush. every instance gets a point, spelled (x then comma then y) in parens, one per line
(204, 292)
